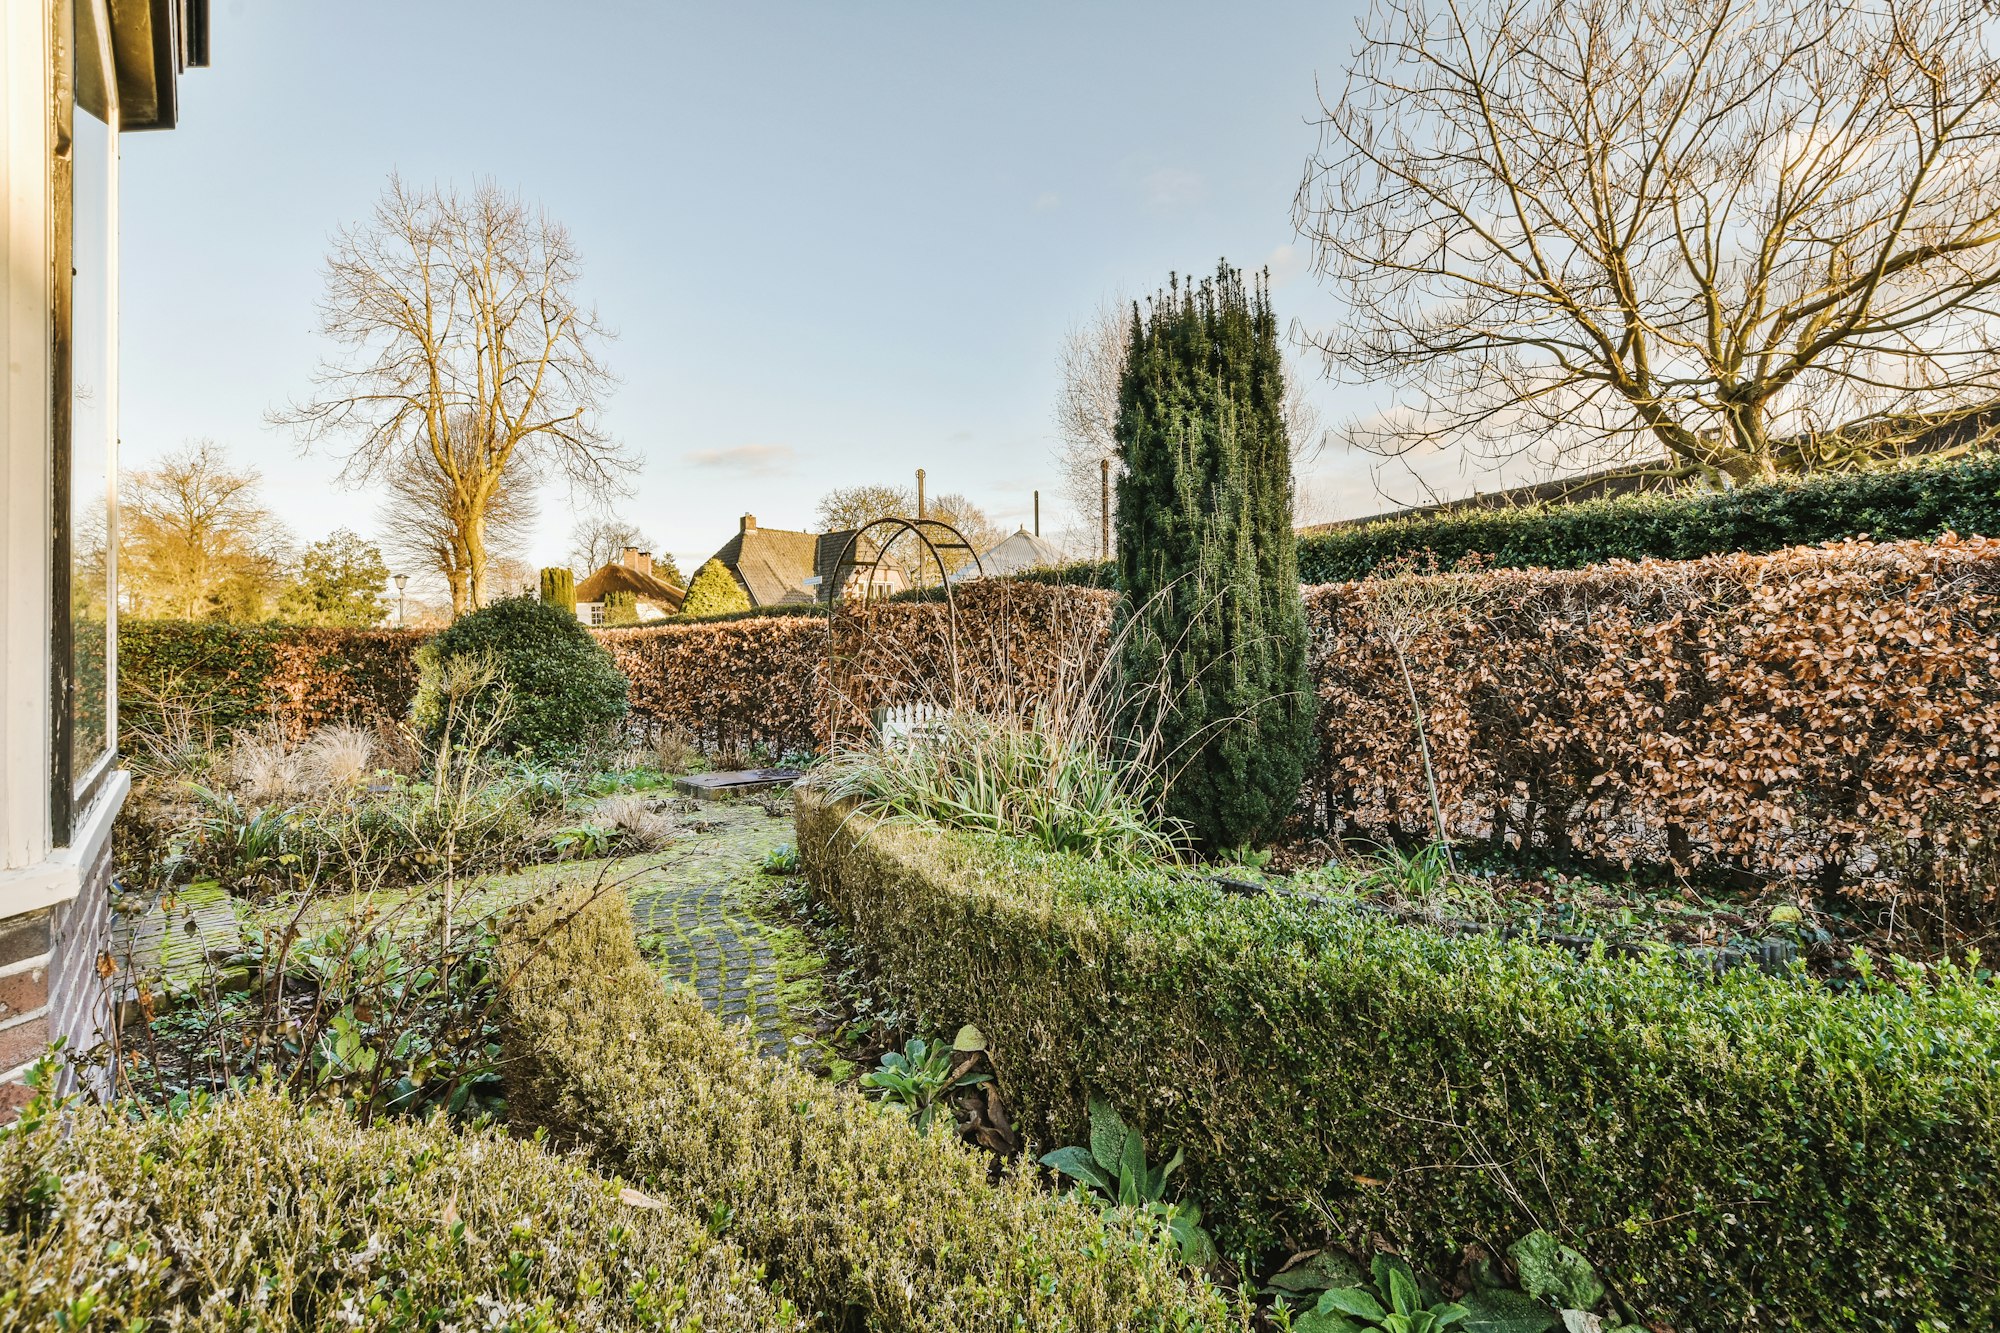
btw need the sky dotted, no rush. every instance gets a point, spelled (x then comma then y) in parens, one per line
(838, 242)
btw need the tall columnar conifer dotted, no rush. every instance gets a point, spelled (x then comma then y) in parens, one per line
(1213, 648)
(559, 588)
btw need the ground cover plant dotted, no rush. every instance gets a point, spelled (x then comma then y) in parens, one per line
(251, 1212)
(861, 1218)
(1318, 1066)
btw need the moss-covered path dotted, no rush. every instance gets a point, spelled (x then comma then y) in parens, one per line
(694, 912)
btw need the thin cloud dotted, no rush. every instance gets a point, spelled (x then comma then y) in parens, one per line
(749, 460)
(1169, 188)
(1286, 262)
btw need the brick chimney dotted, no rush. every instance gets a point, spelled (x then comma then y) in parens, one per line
(643, 562)
(630, 557)
(749, 523)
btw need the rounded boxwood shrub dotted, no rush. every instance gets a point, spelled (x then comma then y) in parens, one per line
(567, 694)
(253, 1212)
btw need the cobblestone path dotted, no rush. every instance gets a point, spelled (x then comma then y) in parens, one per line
(695, 922)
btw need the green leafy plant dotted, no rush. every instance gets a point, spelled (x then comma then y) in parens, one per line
(377, 1014)
(1394, 1302)
(918, 1078)
(583, 841)
(1115, 1168)
(1553, 1272)
(245, 849)
(781, 860)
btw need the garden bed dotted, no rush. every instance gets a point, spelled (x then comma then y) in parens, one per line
(1732, 1151)
(862, 1219)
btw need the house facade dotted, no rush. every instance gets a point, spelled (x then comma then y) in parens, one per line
(653, 598)
(780, 567)
(74, 75)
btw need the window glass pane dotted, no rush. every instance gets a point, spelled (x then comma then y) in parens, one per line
(93, 402)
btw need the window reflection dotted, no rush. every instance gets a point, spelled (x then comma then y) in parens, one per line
(93, 399)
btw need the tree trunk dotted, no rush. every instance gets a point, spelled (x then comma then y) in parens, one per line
(475, 553)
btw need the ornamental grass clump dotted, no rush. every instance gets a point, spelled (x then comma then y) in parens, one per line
(252, 1213)
(1032, 778)
(861, 1218)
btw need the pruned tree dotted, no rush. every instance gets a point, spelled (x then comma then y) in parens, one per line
(470, 357)
(1092, 365)
(714, 591)
(195, 539)
(1755, 238)
(1212, 645)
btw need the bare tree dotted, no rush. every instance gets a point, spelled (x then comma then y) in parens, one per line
(424, 519)
(597, 542)
(857, 506)
(1755, 237)
(1092, 364)
(195, 538)
(471, 356)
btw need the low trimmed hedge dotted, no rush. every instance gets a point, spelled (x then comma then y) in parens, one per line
(250, 1213)
(1919, 501)
(1744, 1152)
(860, 1219)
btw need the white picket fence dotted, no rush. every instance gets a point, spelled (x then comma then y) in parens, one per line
(900, 723)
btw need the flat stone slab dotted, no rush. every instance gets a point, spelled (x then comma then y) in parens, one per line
(703, 785)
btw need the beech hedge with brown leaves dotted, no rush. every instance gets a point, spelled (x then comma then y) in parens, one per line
(788, 682)
(1825, 715)
(1828, 715)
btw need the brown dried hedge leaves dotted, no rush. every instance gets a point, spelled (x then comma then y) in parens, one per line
(1825, 715)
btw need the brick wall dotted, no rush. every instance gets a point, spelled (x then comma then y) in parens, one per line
(26, 942)
(50, 988)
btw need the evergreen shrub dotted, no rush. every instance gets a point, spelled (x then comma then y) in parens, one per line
(714, 591)
(1212, 648)
(250, 1212)
(1917, 501)
(1753, 1151)
(860, 1217)
(621, 608)
(559, 588)
(567, 694)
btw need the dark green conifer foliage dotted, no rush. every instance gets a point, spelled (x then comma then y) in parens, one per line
(559, 588)
(1212, 648)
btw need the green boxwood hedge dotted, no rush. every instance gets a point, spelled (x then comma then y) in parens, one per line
(250, 1213)
(862, 1220)
(1918, 501)
(1752, 1151)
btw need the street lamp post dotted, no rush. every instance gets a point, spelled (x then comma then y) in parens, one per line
(402, 602)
